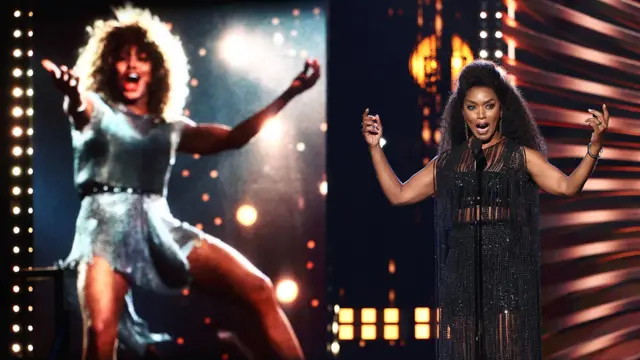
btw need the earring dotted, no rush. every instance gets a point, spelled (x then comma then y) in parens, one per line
(466, 129)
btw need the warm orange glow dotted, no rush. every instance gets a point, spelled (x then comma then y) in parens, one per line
(217, 221)
(180, 341)
(202, 52)
(185, 173)
(422, 331)
(362, 343)
(392, 296)
(246, 215)
(194, 82)
(311, 244)
(437, 136)
(368, 315)
(426, 132)
(345, 316)
(207, 321)
(392, 267)
(214, 174)
(309, 265)
(391, 316)
(199, 226)
(345, 332)
(185, 291)
(196, 156)
(438, 25)
(286, 291)
(391, 332)
(461, 55)
(315, 303)
(205, 197)
(422, 63)
(368, 332)
(422, 315)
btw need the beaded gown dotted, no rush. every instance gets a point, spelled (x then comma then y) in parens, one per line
(510, 255)
(122, 164)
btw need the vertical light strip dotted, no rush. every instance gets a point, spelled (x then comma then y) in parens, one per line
(20, 167)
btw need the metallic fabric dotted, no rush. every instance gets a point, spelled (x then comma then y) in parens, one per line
(133, 230)
(510, 255)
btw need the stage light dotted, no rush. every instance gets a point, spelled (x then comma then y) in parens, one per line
(16, 250)
(16, 308)
(498, 34)
(29, 347)
(202, 52)
(323, 187)
(17, 92)
(16, 328)
(316, 11)
(235, 48)
(383, 142)
(345, 332)
(286, 291)
(345, 315)
(484, 53)
(483, 34)
(16, 348)
(498, 54)
(293, 32)
(17, 53)
(30, 54)
(278, 38)
(275, 21)
(246, 215)
(16, 190)
(29, 92)
(17, 111)
(300, 146)
(30, 328)
(422, 332)
(335, 348)
(368, 315)
(16, 230)
(16, 289)
(272, 129)
(16, 210)
(296, 12)
(17, 72)
(16, 269)
(17, 13)
(16, 171)
(498, 15)
(30, 33)
(483, 14)
(16, 151)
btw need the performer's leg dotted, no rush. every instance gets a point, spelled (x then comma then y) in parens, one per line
(216, 264)
(101, 293)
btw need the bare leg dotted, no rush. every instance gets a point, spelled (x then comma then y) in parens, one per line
(214, 263)
(101, 293)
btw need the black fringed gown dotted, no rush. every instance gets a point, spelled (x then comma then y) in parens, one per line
(510, 255)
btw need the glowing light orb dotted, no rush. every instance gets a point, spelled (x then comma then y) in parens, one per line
(235, 48)
(246, 215)
(286, 291)
(272, 130)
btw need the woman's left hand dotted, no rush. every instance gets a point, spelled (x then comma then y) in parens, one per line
(307, 78)
(599, 121)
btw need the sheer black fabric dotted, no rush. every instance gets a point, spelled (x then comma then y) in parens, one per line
(508, 215)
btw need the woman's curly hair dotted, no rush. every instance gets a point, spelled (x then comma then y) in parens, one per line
(95, 68)
(517, 122)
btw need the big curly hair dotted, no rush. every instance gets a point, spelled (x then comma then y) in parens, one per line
(95, 68)
(517, 122)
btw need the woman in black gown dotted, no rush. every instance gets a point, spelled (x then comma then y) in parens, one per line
(486, 121)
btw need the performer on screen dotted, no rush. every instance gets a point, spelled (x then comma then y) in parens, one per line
(125, 97)
(487, 121)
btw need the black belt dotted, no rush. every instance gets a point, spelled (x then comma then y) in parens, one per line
(95, 188)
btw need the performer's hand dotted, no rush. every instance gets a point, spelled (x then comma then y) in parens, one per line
(63, 78)
(371, 128)
(599, 121)
(305, 80)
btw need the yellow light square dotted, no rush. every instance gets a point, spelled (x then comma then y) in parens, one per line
(368, 332)
(345, 316)
(391, 316)
(345, 332)
(368, 316)
(391, 332)
(422, 315)
(422, 331)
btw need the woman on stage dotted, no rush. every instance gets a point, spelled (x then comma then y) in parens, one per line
(125, 99)
(487, 123)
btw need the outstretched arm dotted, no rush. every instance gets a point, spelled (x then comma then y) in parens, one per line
(419, 187)
(208, 139)
(79, 108)
(550, 179)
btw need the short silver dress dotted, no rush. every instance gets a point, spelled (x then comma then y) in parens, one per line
(122, 164)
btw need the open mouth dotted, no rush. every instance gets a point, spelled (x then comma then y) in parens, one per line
(131, 81)
(482, 127)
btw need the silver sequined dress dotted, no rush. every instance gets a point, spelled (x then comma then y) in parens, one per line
(130, 225)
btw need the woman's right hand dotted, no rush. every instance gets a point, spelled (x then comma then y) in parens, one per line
(63, 79)
(371, 129)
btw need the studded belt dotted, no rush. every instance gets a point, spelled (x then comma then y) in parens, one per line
(96, 188)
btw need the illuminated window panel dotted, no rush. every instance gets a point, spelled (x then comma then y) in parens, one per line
(368, 332)
(422, 331)
(345, 316)
(391, 316)
(368, 316)
(346, 332)
(391, 332)
(422, 315)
